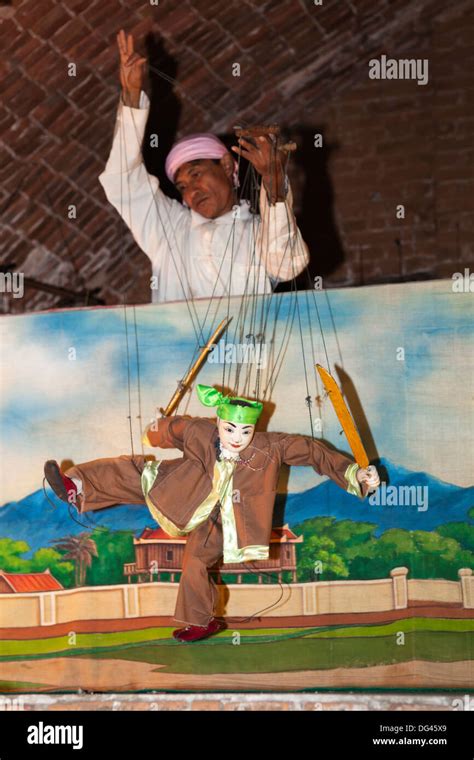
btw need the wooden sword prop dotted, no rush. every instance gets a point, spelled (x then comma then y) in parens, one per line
(183, 385)
(345, 418)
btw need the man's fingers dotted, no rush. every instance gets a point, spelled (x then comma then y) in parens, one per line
(130, 64)
(134, 59)
(244, 153)
(262, 151)
(264, 143)
(122, 42)
(248, 145)
(130, 59)
(248, 150)
(260, 140)
(130, 44)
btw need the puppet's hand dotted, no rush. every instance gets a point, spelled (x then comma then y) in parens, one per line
(369, 476)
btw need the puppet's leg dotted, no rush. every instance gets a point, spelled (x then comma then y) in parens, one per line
(197, 593)
(107, 482)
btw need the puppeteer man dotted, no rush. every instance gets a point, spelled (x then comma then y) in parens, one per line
(194, 495)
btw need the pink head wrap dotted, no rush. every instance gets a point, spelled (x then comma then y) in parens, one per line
(198, 145)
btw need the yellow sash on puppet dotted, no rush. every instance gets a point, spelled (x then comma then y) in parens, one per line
(222, 492)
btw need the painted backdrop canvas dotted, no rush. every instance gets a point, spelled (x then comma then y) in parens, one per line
(382, 595)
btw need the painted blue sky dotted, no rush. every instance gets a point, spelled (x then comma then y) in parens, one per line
(64, 376)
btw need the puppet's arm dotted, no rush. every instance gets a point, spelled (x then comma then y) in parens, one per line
(166, 432)
(301, 450)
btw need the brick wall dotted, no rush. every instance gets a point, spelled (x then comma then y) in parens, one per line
(385, 142)
(395, 142)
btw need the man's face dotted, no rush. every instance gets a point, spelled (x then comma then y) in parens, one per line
(205, 186)
(234, 436)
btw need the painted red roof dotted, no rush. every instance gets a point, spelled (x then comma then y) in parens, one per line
(155, 534)
(284, 533)
(24, 582)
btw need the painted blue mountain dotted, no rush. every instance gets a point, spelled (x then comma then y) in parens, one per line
(36, 521)
(438, 502)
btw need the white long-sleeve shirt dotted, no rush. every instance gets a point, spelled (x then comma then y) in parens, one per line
(192, 256)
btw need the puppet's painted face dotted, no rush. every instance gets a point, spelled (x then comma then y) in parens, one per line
(234, 436)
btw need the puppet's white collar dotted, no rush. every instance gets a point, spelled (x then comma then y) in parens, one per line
(226, 454)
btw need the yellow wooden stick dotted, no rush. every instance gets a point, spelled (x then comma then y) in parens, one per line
(344, 417)
(184, 384)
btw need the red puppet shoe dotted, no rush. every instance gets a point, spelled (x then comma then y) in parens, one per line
(196, 632)
(63, 487)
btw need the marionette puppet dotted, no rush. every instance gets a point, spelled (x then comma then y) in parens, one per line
(220, 493)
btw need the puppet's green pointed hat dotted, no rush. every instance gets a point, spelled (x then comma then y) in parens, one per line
(232, 412)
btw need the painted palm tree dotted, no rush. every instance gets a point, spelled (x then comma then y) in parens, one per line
(79, 549)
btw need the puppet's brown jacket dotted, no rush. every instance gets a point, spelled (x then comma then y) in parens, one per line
(183, 484)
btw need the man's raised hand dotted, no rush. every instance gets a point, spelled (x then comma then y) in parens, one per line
(131, 70)
(267, 163)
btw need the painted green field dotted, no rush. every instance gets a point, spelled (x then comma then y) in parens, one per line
(266, 650)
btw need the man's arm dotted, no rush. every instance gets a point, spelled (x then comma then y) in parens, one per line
(302, 450)
(137, 196)
(151, 216)
(280, 244)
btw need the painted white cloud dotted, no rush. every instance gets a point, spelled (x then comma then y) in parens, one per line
(78, 410)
